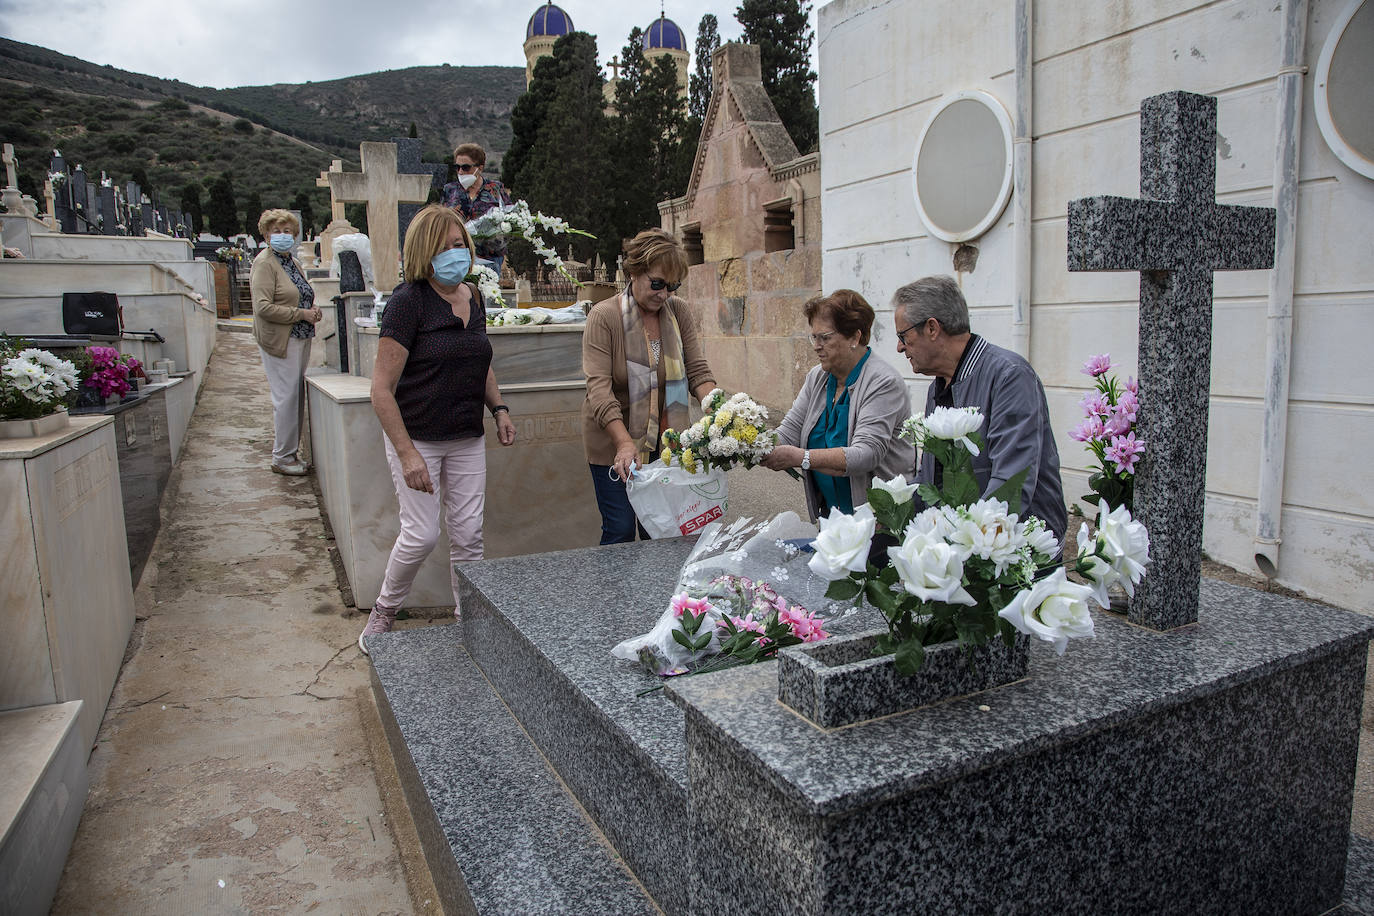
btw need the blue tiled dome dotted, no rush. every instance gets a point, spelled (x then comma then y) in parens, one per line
(549, 20)
(664, 34)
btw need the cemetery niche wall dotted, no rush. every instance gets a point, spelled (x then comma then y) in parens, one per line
(884, 70)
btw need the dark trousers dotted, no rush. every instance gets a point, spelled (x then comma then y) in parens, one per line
(618, 522)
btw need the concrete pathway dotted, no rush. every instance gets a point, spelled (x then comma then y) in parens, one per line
(231, 773)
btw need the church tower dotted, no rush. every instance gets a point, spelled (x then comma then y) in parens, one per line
(548, 24)
(664, 37)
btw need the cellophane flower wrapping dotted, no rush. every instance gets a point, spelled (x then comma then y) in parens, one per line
(737, 575)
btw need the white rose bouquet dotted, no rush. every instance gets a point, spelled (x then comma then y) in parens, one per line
(967, 567)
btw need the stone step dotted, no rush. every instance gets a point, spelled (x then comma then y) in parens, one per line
(42, 791)
(500, 832)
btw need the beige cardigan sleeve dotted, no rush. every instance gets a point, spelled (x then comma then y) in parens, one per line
(275, 297)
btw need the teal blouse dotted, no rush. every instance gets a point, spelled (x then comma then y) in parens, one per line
(832, 431)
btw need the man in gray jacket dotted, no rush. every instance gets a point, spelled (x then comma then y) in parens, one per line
(933, 331)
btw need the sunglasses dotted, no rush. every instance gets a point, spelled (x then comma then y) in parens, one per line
(467, 167)
(658, 285)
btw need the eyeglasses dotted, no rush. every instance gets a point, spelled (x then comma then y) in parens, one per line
(467, 167)
(901, 335)
(658, 285)
(821, 338)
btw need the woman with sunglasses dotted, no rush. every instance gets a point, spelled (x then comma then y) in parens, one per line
(472, 195)
(643, 361)
(842, 429)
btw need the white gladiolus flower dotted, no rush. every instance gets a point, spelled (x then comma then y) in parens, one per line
(931, 569)
(843, 543)
(897, 488)
(1053, 609)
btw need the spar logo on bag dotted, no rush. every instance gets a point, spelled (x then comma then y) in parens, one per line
(702, 520)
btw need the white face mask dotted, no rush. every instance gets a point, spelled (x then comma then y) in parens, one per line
(467, 180)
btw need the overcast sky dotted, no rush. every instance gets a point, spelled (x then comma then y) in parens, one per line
(229, 43)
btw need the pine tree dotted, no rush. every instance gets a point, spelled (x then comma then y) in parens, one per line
(699, 83)
(221, 212)
(781, 30)
(561, 165)
(190, 205)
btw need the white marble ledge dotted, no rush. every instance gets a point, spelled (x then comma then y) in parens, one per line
(541, 386)
(37, 445)
(493, 330)
(29, 740)
(343, 389)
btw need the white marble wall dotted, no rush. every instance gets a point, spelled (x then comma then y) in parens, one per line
(885, 66)
(66, 600)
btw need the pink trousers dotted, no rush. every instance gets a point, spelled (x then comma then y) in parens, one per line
(458, 469)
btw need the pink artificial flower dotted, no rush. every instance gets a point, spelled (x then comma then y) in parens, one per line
(1128, 405)
(1098, 365)
(1090, 430)
(746, 623)
(1124, 452)
(1094, 404)
(683, 603)
(1132, 385)
(1118, 424)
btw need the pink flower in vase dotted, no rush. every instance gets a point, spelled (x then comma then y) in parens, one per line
(1128, 404)
(1118, 424)
(1098, 365)
(1124, 452)
(1090, 430)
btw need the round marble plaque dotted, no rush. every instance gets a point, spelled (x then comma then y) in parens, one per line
(961, 171)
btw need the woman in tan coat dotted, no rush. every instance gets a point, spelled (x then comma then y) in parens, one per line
(284, 318)
(643, 360)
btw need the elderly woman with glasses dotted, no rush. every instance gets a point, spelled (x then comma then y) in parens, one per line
(643, 360)
(472, 195)
(842, 429)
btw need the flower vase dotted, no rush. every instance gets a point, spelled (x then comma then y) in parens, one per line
(88, 400)
(839, 681)
(1118, 601)
(27, 429)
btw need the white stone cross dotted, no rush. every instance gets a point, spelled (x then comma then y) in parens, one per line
(380, 187)
(336, 207)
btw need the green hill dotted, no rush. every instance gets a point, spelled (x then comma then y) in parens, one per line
(272, 140)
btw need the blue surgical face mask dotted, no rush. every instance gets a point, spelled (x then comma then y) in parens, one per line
(282, 241)
(451, 266)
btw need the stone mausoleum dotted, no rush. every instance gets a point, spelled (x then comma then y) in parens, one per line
(751, 223)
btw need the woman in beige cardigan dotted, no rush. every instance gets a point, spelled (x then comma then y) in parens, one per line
(642, 359)
(284, 318)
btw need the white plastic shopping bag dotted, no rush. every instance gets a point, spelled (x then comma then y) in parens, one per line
(671, 502)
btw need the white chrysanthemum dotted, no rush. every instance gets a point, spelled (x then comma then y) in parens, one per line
(986, 530)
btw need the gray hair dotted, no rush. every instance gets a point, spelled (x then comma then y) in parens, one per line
(934, 297)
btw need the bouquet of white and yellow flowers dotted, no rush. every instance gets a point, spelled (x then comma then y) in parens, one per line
(733, 431)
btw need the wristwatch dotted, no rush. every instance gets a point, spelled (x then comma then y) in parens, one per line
(806, 460)
(498, 408)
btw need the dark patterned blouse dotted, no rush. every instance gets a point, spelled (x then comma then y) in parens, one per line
(442, 388)
(301, 330)
(492, 194)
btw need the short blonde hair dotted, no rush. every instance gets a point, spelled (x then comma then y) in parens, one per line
(276, 215)
(426, 237)
(473, 152)
(656, 248)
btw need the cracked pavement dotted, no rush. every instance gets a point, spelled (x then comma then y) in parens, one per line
(231, 773)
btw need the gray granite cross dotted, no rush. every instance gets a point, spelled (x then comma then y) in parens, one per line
(1176, 236)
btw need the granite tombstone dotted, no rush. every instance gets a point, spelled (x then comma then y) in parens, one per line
(1176, 235)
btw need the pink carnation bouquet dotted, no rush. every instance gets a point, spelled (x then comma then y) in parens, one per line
(1108, 431)
(111, 371)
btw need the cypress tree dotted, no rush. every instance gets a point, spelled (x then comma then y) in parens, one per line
(699, 83)
(190, 205)
(252, 209)
(221, 212)
(782, 31)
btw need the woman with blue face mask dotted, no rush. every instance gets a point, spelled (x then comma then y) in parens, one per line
(284, 318)
(431, 383)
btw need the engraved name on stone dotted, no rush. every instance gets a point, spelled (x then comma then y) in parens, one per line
(544, 429)
(77, 481)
